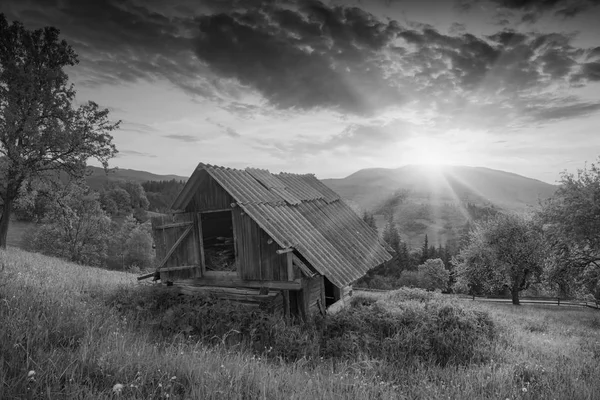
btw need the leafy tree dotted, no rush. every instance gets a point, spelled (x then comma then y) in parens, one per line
(121, 198)
(40, 130)
(571, 221)
(131, 245)
(76, 228)
(433, 275)
(161, 194)
(507, 251)
(116, 201)
(33, 201)
(369, 218)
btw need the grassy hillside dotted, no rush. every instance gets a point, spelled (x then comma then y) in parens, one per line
(70, 331)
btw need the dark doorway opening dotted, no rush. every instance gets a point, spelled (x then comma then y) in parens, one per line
(332, 293)
(217, 241)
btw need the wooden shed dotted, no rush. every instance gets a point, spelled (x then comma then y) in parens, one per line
(285, 242)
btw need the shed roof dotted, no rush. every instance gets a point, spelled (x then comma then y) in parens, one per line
(301, 212)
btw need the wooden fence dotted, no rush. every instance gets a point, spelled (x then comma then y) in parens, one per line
(556, 301)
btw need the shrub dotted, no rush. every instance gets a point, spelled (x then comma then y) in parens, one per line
(433, 275)
(408, 325)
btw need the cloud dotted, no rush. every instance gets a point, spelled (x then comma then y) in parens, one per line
(558, 110)
(359, 138)
(457, 28)
(135, 153)
(229, 131)
(303, 57)
(137, 127)
(534, 8)
(120, 41)
(591, 71)
(184, 138)
(294, 56)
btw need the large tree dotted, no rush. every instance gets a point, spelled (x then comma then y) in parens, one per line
(572, 225)
(507, 251)
(41, 132)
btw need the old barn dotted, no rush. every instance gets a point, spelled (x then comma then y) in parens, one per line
(281, 241)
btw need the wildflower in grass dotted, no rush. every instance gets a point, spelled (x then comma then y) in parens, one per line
(524, 390)
(31, 376)
(117, 388)
(173, 378)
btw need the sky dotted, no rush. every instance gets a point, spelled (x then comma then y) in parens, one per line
(331, 87)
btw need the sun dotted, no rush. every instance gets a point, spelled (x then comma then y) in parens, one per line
(428, 152)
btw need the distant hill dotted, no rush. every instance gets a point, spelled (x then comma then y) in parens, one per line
(98, 177)
(440, 201)
(368, 187)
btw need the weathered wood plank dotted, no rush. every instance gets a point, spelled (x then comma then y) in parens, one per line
(224, 282)
(290, 266)
(174, 247)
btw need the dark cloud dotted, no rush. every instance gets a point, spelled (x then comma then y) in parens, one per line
(303, 57)
(534, 8)
(593, 53)
(120, 41)
(591, 71)
(300, 55)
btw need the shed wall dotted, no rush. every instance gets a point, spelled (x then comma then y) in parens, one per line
(315, 293)
(209, 196)
(257, 258)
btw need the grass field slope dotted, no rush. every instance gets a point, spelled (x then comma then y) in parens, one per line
(71, 331)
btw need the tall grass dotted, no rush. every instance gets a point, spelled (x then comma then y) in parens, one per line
(81, 333)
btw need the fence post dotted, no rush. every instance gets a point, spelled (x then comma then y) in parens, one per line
(558, 300)
(473, 297)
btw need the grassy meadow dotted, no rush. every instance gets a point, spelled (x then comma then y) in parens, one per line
(71, 331)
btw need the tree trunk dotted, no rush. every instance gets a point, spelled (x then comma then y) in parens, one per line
(515, 296)
(4, 219)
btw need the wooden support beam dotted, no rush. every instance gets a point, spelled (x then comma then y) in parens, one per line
(290, 266)
(283, 251)
(238, 283)
(178, 268)
(174, 225)
(303, 267)
(214, 211)
(146, 276)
